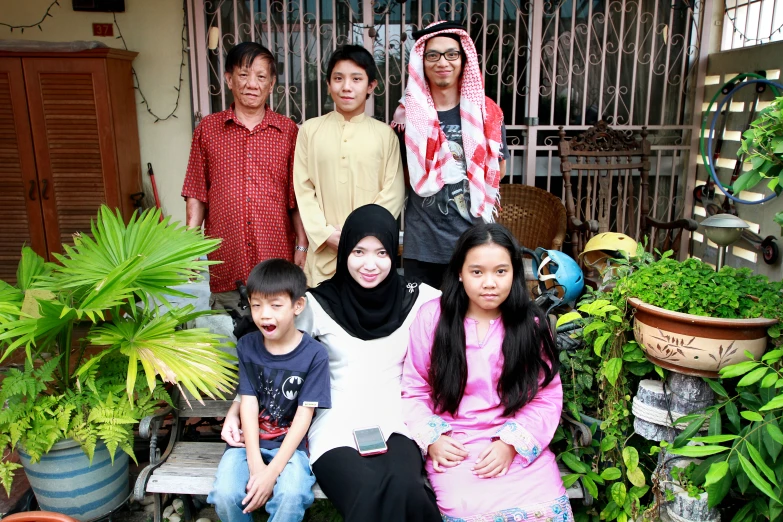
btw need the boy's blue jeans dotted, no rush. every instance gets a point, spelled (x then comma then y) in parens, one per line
(291, 496)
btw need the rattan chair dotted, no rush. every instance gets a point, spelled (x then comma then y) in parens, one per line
(535, 217)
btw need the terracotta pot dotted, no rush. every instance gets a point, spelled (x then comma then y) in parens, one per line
(693, 344)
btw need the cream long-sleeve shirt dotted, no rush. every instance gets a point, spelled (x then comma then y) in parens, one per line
(339, 166)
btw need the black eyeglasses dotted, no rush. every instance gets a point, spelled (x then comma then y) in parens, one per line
(434, 56)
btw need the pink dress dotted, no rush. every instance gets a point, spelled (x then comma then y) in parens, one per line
(532, 489)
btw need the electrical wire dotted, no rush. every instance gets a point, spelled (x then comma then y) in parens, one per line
(744, 37)
(137, 82)
(36, 24)
(708, 161)
(733, 81)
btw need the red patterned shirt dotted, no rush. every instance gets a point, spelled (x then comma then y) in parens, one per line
(245, 178)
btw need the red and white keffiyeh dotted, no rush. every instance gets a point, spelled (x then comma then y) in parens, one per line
(431, 164)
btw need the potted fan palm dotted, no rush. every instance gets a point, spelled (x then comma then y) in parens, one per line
(97, 351)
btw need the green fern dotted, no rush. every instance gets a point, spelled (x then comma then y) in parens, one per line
(7, 475)
(28, 383)
(103, 292)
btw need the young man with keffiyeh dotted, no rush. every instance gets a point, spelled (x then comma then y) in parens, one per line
(455, 148)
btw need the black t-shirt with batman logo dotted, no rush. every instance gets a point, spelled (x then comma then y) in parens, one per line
(282, 383)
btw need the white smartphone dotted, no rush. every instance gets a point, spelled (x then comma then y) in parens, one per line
(370, 441)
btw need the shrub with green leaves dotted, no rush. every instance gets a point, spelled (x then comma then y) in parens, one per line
(694, 287)
(89, 326)
(742, 467)
(763, 145)
(600, 379)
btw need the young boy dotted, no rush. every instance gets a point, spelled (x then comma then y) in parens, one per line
(283, 377)
(344, 160)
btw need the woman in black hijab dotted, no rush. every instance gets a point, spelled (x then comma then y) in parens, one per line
(377, 311)
(362, 316)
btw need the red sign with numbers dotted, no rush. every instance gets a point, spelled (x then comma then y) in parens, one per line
(103, 29)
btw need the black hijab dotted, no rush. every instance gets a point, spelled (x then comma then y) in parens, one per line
(367, 313)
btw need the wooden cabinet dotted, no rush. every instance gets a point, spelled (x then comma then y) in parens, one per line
(69, 143)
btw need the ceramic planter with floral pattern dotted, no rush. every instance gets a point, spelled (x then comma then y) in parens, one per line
(693, 344)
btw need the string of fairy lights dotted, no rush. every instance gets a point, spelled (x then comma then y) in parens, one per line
(178, 88)
(37, 24)
(136, 81)
(731, 14)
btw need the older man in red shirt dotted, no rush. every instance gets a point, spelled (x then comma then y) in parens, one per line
(239, 181)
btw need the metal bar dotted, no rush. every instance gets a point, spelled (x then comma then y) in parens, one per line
(555, 53)
(535, 80)
(236, 23)
(620, 45)
(603, 68)
(625, 205)
(515, 54)
(617, 127)
(570, 63)
(368, 20)
(286, 68)
(270, 45)
(585, 91)
(484, 47)
(221, 64)
(652, 65)
(334, 25)
(637, 214)
(666, 70)
(387, 85)
(421, 22)
(758, 22)
(683, 69)
(199, 67)
(318, 55)
(302, 63)
(403, 68)
(635, 61)
(252, 4)
(697, 98)
(500, 50)
(672, 182)
(548, 172)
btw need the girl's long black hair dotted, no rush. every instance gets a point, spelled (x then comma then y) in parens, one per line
(528, 347)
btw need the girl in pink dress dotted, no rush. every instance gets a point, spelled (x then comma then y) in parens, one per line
(481, 391)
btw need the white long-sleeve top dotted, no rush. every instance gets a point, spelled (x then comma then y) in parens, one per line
(365, 378)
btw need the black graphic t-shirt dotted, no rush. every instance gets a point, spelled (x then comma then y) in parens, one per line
(282, 383)
(433, 224)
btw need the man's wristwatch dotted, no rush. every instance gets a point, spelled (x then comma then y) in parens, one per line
(301, 248)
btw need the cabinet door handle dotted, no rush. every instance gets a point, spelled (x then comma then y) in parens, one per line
(45, 189)
(31, 194)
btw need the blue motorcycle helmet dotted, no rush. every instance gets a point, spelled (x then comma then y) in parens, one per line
(560, 273)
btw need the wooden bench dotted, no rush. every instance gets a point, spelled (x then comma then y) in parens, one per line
(188, 468)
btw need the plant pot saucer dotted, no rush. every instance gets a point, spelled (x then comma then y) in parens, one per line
(696, 345)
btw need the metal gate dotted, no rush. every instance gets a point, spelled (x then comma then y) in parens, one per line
(632, 63)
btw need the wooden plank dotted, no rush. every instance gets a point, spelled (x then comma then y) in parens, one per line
(210, 408)
(194, 472)
(200, 484)
(199, 448)
(180, 485)
(191, 468)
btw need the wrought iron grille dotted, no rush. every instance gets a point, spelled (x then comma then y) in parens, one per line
(547, 63)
